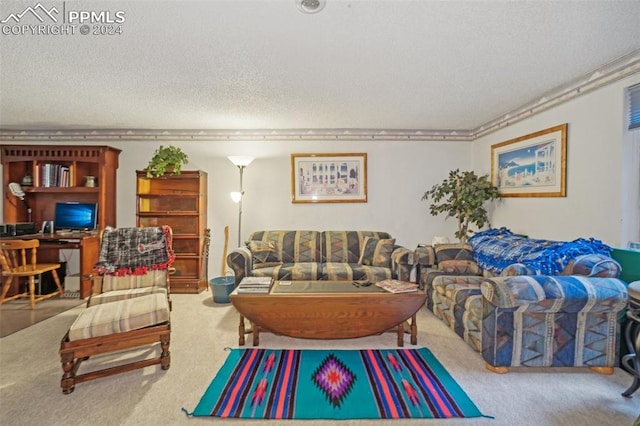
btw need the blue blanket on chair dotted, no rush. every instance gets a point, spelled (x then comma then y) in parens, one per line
(495, 249)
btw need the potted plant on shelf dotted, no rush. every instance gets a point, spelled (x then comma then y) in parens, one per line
(166, 160)
(462, 195)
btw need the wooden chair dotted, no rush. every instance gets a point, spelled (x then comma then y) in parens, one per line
(19, 258)
(129, 307)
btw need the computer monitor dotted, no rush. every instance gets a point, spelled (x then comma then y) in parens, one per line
(76, 216)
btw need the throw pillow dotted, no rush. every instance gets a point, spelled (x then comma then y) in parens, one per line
(377, 252)
(265, 254)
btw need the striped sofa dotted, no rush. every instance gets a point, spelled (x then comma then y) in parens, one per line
(520, 318)
(321, 255)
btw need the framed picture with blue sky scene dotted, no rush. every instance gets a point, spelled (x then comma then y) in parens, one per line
(534, 165)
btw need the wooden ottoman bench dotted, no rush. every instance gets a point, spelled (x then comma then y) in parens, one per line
(114, 326)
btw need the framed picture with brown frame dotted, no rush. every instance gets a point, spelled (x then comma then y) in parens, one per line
(534, 165)
(329, 178)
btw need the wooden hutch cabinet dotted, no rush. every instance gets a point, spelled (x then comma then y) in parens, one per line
(77, 162)
(179, 201)
(61, 173)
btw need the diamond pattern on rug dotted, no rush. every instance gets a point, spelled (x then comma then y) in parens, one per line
(334, 379)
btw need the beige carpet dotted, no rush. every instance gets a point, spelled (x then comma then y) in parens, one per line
(30, 378)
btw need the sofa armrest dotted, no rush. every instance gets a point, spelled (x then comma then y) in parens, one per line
(542, 293)
(402, 260)
(240, 261)
(593, 265)
(513, 291)
(425, 256)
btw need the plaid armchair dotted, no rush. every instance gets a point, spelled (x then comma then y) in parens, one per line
(129, 306)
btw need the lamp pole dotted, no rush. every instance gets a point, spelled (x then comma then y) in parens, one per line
(241, 162)
(241, 168)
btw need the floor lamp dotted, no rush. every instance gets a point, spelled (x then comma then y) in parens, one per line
(241, 162)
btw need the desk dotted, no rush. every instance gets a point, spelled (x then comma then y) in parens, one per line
(88, 245)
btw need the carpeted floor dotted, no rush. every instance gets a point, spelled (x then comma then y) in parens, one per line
(201, 330)
(16, 315)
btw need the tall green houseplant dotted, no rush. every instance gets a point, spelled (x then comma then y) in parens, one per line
(166, 160)
(462, 195)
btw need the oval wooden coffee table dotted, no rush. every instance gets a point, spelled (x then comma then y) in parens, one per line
(327, 310)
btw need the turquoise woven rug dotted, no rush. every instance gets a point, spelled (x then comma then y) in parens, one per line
(334, 384)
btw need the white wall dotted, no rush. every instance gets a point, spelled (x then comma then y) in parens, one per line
(596, 181)
(398, 174)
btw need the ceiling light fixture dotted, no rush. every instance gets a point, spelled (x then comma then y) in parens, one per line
(310, 6)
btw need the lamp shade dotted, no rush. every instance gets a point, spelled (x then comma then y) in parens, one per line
(240, 160)
(236, 196)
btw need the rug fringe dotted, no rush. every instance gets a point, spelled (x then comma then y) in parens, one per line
(184, 410)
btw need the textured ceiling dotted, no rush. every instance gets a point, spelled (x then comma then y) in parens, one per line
(266, 65)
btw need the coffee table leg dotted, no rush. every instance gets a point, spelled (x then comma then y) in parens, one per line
(401, 334)
(241, 331)
(414, 330)
(256, 334)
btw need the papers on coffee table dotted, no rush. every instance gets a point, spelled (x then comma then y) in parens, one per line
(260, 285)
(397, 286)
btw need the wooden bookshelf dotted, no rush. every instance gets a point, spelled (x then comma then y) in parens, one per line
(76, 162)
(179, 201)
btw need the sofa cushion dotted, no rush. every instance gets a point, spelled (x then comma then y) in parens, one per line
(460, 267)
(291, 271)
(335, 271)
(264, 254)
(152, 278)
(119, 317)
(293, 246)
(377, 252)
(114, 296)
(453, 251)
(346, 246)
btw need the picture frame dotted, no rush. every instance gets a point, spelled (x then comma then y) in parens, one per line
(534, 165)
(329, 178)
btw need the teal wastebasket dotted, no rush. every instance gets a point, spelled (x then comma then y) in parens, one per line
(221, 287)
